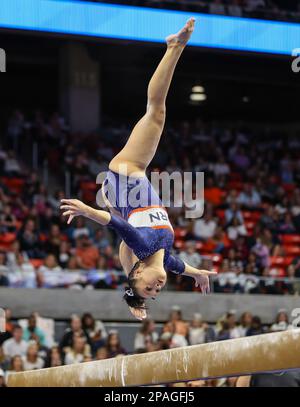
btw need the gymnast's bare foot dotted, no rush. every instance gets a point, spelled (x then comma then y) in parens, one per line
(182, 37)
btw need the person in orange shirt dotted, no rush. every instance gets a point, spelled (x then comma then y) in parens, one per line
(212, 193)
(87, 254)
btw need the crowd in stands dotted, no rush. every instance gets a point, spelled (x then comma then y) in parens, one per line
(288, 10)
(30, 344)
(250, 231)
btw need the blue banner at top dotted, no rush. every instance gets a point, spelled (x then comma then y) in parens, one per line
(146, 24)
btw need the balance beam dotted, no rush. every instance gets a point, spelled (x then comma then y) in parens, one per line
(235, 357)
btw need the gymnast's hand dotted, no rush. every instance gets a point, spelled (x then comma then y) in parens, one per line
(138, 313)
(73, 208)
(201, 277)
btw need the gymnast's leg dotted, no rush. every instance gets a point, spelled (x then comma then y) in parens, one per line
(143, 141)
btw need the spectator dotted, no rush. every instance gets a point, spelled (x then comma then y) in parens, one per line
(102, 353)
(236, 229)
(262, 253)
(16, 365)
(32, 332)
(23, 274)
(4, 360)
(80, 229)
(249, 198)
(177, 327)
(2, 378)
(233, 212)
(256, 327)
(79, 350)
(281, 322)
(8, 221)
(29, 239)
(200, 331)
(74, 330)
(87, 254)
(15, 345)
(190, 255)
(205, 228)
(50, 274)
(32, 360)
(245, 323)
(8, 326)
(11, 165)
(54, 358)
(212, 193)
(4, 270)
(232, 325)
(95, 330)
(145, 335)
(113, 345)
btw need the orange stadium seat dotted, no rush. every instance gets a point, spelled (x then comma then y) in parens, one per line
(6, 240)
(179, 244)
(36, 263)
(290, 239)
(249, 226)
(221, 214)
(14, 184)
(292, 250)
(277, 261)
(179, 233)
(288, 260)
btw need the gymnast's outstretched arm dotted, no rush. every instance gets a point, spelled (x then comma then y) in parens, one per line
(201, 277)
(74, 207)
(128, 233)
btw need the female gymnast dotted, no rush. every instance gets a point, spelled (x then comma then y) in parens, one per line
(146, 233)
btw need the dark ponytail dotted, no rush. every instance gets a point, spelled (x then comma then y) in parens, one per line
(131, 297)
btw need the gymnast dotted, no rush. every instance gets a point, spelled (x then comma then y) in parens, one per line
(146, 233)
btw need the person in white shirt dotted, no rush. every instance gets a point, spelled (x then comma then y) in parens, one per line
(50, 274)
(199, 331)
(15, 345)
(234, 331)
(190, 255)
(236, 229)
(145, 335)
(221, 167)
(78, 352)
(32, 360)
(205, 228)
(245, 323)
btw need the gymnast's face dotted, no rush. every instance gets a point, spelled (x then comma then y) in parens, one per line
(149, 281)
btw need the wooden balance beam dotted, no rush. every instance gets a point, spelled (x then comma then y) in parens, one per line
(235, 357)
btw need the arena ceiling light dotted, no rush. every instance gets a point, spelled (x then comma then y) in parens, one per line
(198, 89)
(198, 97)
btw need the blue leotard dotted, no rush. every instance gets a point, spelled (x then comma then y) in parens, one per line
(143, 223)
